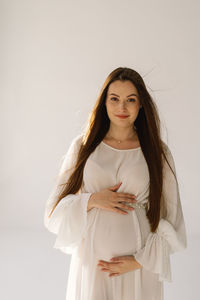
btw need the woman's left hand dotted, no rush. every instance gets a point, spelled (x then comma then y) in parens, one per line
(119, 265)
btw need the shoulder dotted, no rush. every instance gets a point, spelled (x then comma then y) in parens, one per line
(169, 157)
(72, 150)
(75, 143)
(77, 140)
(167, 150)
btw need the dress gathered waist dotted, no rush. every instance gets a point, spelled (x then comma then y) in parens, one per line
(139, 205)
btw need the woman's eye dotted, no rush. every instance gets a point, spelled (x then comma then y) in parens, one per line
(133, 100)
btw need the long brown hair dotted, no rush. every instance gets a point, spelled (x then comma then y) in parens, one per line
(147, 124)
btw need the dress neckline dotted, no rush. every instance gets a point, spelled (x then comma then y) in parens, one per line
(132, 149)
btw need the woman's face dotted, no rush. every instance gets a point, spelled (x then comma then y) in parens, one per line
(122, 99)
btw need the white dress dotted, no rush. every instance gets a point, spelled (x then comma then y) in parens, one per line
(100, 234)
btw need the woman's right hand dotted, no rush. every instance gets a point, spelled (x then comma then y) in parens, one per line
(111, 200)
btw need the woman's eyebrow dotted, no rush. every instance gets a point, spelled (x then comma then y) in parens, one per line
(127, 96)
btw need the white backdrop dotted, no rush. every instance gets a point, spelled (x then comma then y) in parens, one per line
(55, 56)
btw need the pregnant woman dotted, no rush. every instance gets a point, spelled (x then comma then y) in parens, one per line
(115, 205)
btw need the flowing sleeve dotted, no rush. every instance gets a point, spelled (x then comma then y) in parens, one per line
(170, 235)
(69, 218)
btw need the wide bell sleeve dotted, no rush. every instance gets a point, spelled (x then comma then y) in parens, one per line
(170, 235)
(69, 218)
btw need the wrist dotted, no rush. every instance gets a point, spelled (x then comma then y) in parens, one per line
(139, 266)
(91, 202)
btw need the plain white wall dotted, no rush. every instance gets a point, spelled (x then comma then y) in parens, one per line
(55, 56)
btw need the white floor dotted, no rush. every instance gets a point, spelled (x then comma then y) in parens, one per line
(31, 269)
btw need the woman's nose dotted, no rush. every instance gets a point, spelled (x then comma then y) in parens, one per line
(122, 105)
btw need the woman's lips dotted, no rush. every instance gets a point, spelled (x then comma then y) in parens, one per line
(121, 116)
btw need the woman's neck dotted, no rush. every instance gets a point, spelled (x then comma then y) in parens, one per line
(121, 134)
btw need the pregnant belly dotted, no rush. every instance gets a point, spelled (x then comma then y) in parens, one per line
(114, 234)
